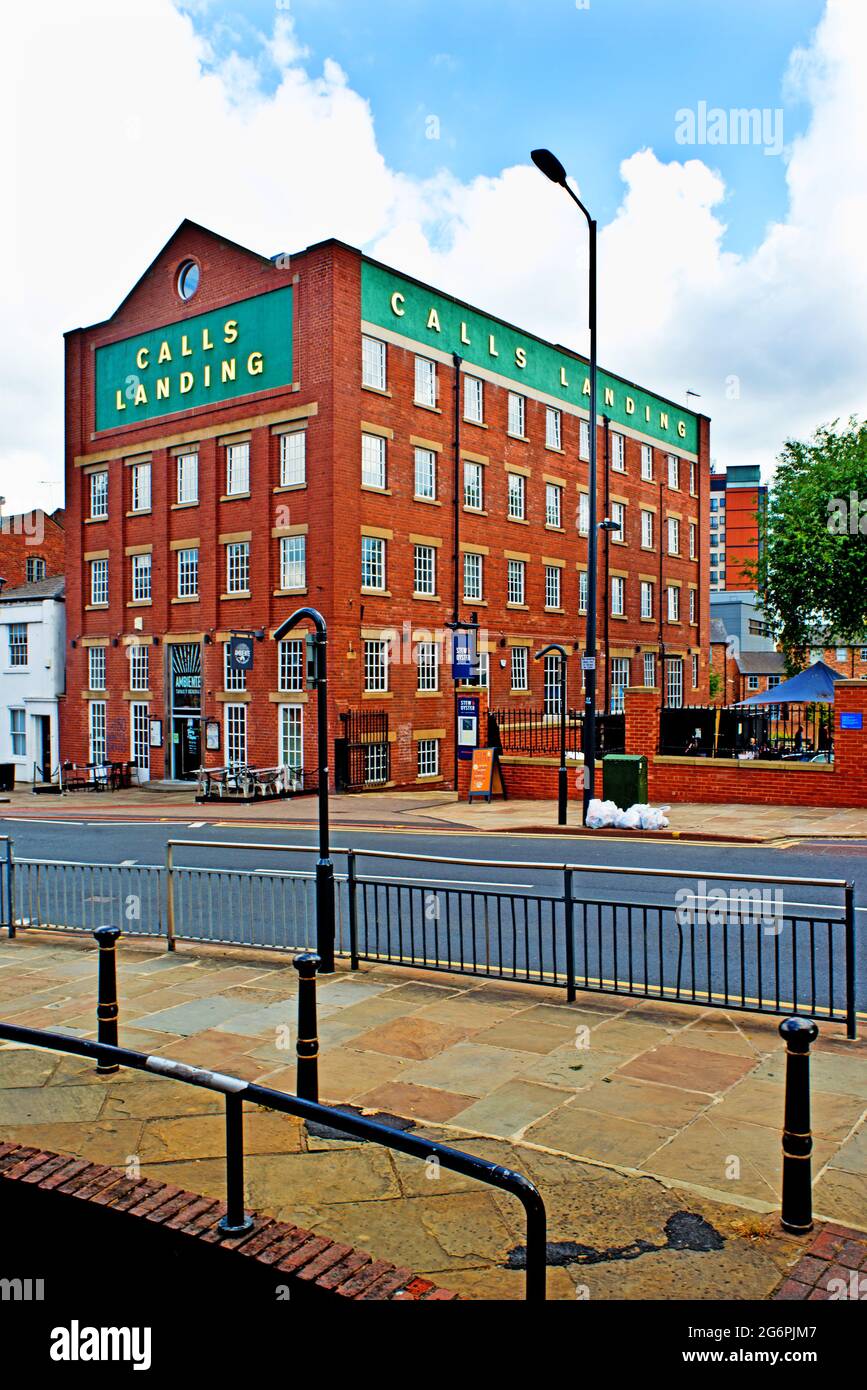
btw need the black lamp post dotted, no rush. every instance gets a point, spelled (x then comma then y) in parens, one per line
(562, 774)
(553, 169)
(324, 864)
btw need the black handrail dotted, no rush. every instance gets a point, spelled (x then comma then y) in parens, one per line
(236, 1090)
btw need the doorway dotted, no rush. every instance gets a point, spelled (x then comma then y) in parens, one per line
(43, 744)
(186, 710)
(186, 747)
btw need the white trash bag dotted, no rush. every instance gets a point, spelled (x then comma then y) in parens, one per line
(639, 817)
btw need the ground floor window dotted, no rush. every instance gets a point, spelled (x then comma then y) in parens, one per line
(18, 730)
(96, 732)
(674, 685)
(619, 682)
(376, 762)
(292, 737)
(236, 734)
(140, 724)
(428, 757)
(650, 669)
(551, 689)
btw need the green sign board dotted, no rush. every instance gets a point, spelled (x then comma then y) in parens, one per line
(235, 351)
(435, 320)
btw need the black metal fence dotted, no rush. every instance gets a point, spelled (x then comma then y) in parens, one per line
(730, 941)
(535, 733)
(746, 946)
(772, 731)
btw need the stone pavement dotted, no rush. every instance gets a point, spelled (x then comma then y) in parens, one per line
(420, 811)
(652, 1130)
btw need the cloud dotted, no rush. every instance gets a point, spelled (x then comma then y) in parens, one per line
(121, 120)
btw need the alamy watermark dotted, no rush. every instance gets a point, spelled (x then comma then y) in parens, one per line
(716, 907)
(847, 516)
(738, 126)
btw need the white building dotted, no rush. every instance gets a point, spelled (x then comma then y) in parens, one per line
(32, 676)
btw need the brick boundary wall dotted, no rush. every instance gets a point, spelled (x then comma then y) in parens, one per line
(752, 782)
(306, 1261)
(757, 781)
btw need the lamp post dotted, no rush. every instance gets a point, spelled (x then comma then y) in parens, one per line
(324, 864)
(562, 775)
(551, 167)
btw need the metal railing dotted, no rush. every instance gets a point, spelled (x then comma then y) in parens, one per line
(534, 732)
(237, 1091)
(246, 906)
(775, 730)
(60, 895)
(749, 949)
(758, 949)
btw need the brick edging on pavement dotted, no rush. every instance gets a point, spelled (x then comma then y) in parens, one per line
(315, 1261)
(834, 1253)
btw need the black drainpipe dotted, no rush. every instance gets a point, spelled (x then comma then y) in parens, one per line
(606, 607)
(660, 530)
(457, 359)
(458, 482)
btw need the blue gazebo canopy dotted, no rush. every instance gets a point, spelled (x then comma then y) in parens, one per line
(815, 685)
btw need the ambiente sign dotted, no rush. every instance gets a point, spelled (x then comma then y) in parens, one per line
(421, 314)
(243, 348)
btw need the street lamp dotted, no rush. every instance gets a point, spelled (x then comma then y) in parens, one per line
(324, 864)
(551, 167)
(562, 775)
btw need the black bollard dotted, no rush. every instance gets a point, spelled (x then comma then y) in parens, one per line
(797, 1212)
(307, 1042)
(107, 1007)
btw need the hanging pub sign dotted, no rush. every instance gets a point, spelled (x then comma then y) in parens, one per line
(240, 653)
(465, 661)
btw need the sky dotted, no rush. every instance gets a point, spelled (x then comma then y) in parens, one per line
(731, 259)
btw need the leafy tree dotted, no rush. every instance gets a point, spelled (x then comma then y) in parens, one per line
(812, 574)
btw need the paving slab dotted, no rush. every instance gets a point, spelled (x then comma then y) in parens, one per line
(469, 1067)
(690, 1068)
(509, 1109)
(522, 1036)
(840, 1195)
(44, 1105)
(573, 1068)
(731, 1155)
(345, 1073)
(763, 1103)
(415, 1102)
(22, 1068)
(645, 1101)
(606, 1138)
(409, 1037)
(852, 1156)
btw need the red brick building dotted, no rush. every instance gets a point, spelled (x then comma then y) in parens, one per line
(32, 546)
(247, 435)
(738, 503)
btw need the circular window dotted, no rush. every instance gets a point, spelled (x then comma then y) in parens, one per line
(188, 279)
